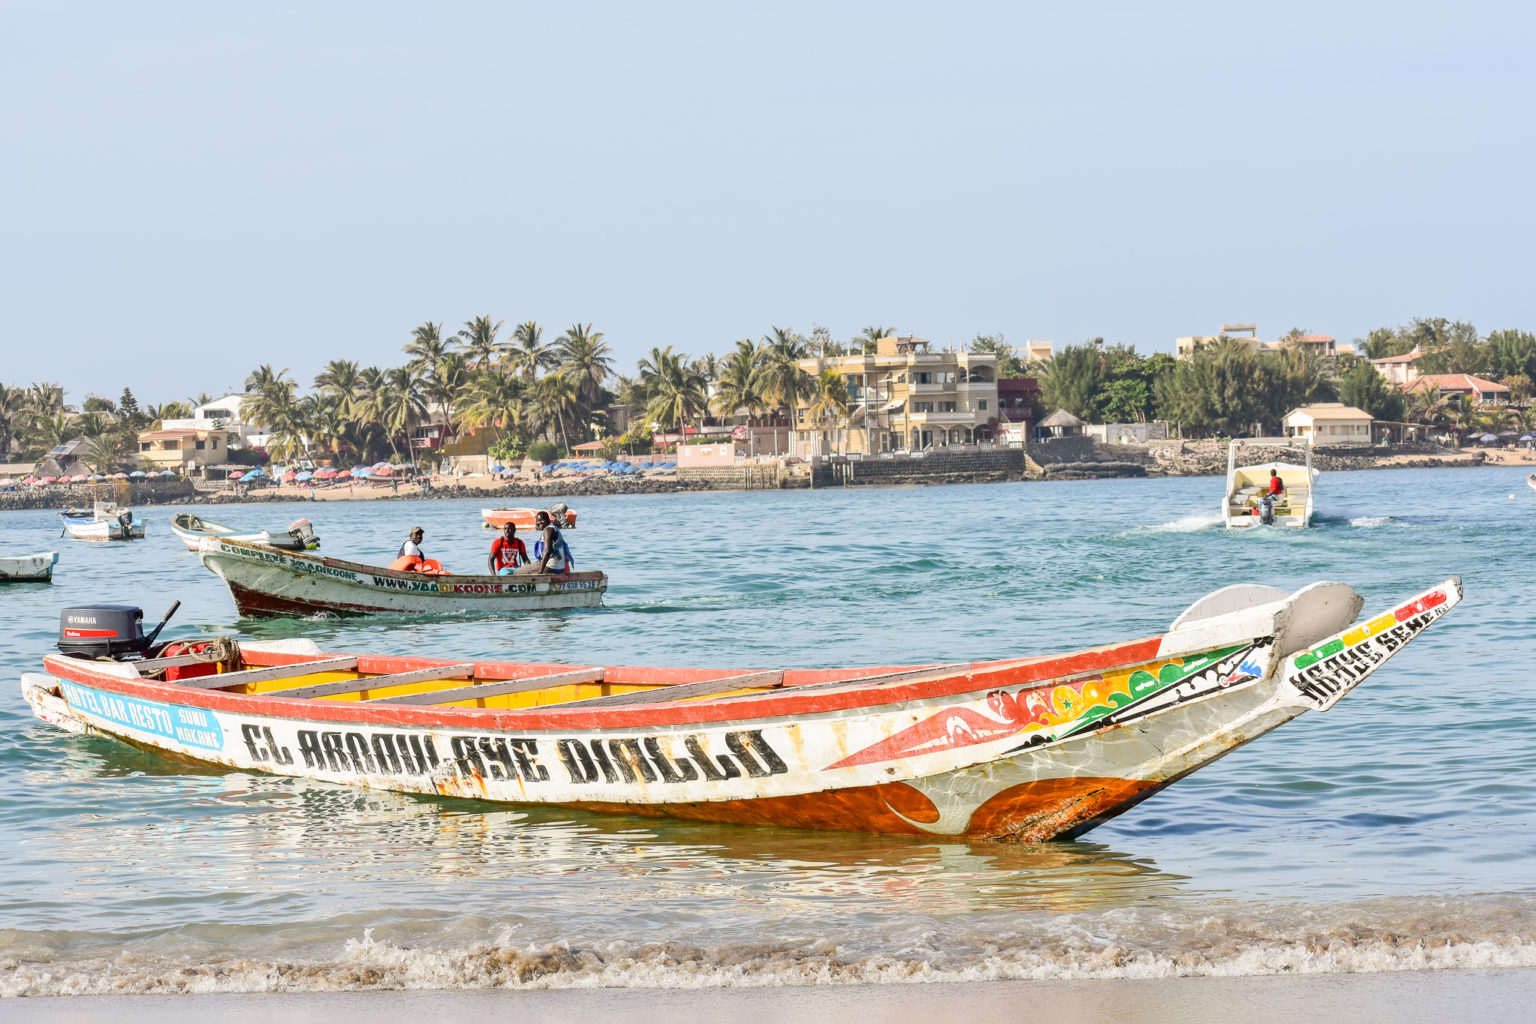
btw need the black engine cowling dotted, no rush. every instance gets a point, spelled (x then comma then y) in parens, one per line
(102, 631)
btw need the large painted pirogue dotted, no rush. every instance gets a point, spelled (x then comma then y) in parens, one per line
(1029, 749)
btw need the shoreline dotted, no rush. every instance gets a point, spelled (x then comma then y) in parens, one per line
(1406, 996)
(564, 487)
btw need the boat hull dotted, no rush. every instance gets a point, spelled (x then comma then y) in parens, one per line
(284, 542)
(1030, 749)
(102, 530)
(522, 518)
(265, 582)
(36, 568)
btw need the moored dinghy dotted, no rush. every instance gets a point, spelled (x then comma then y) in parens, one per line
(1027, 749)
(265, 582)
(36, 568)
(102, 521)
(523, 518)
(192, 528)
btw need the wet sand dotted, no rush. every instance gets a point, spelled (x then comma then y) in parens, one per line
(1402, 997)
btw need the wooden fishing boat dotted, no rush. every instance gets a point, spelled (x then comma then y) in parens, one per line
(36, 568)
(267, 582)
(102, 521)
(192, 528)
(523, 518)
(1247, 486)
(1030, 749)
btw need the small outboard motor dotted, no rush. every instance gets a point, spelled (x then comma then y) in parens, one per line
(1267, 510)
(107, 631)
(303, 532)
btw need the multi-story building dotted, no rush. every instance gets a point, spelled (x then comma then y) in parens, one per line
(182, 450)
(1325, 346)
(223, 414)
(905, 396)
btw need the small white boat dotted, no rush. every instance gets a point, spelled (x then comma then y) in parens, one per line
(102, 521)
(36, 568)
(1248, 503)
(192, 528)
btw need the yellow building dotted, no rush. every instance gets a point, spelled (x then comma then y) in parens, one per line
(1329, 423)
(180, 450)
(905, 396)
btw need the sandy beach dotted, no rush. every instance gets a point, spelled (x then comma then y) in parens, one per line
(1402, 997)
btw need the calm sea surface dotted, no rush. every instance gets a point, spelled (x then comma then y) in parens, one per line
(1397, 831)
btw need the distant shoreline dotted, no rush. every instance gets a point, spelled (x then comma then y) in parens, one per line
(565, 487)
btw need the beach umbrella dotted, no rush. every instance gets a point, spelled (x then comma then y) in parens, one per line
(167, 472)
(1489, 438)
(382, 471)
(236, 476)
(379, 465)
(30, 480)
(137, 474)
(49, 480)
(498, 469)
(289, 477)
(119, 476)
(78, 478)
(301, 477)
(365, 472)
(258, 471)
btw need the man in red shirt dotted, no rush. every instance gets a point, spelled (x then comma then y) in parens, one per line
(507, 552)
(1276, 488)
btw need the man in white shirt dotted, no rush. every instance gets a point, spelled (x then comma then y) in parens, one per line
(412, 547)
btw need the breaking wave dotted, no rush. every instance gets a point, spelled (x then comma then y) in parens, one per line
(1140, 943)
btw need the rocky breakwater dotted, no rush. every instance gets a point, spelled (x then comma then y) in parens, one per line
(1209, 458)
(167, 492)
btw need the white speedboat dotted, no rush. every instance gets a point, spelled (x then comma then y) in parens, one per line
(102, 521)
(1248, 502)
(36, 568)
(192, 528)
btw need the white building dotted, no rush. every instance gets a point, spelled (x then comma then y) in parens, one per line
(223, 413)
(1329, 423)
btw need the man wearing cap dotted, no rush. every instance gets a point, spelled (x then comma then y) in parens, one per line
(412, 546)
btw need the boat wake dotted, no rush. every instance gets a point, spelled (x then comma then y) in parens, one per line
(1137, 943)
(1371, 522)
(1184, 524)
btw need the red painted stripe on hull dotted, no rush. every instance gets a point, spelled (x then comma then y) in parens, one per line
(254, 604)
(1033, 812)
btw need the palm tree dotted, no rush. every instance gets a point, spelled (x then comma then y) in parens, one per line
(554, 396)
(480, 341)
(585, 358)
(780, 377)
(403, 405)
(739, 382)
(427, 346)
(339, 380)
(676, 392)
(262, 378)
(831, 401)
(158, 414)
(494, 399)
(13, 406)
(45, 432)
(529, 353)
(444, 388)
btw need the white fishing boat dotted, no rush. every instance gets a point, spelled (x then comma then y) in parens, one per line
(1249, 501)
(267, 582)
(192, 528)
(102, 521)
(36, 568)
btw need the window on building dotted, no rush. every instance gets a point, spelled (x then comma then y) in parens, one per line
(143, 446)
(215, 444)
(982, 405)
(946, 407)
(922, 407)
(200, 446)
(922, 377)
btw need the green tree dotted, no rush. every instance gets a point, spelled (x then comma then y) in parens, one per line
(1510, 353)
(1073, 379)
(1365, 389)
(869, 338)
(830, 401)
(479, 339)
(495, 400)
(740, 385)
(1215, 389)
(586, 359)
(427, 346)
(529, 352)
(1009, 365)
(780, 377)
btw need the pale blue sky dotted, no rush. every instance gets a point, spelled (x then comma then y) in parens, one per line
(194, 188)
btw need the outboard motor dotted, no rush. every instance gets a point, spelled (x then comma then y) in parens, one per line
(1267, 510)
(107, 631)
(303, 532)
(125, 519)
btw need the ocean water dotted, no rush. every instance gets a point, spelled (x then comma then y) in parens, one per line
(1394, 832)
